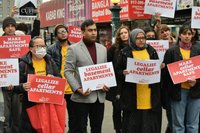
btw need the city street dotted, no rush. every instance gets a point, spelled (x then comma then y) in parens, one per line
(108, 124)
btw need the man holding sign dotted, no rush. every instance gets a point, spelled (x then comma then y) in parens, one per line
(84, 53)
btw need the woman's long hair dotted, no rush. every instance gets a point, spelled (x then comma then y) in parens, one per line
(118, 41)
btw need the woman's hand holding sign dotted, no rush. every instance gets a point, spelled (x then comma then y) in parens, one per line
(125, 72)
(26, 86)
(191, 82)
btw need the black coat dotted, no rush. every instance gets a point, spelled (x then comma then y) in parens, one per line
(128, 90)
(55, 52)
(112, 56)
(173, 55)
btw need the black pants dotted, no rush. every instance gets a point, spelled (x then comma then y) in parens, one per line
(81, 111)
(142, 121)
(117, 116)
(69, 109)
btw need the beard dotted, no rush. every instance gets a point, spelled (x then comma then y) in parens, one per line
(62, 40)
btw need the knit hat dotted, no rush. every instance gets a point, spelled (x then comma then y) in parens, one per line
(7, 21)
(132, 39)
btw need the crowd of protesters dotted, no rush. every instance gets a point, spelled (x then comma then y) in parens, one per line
(137, 108)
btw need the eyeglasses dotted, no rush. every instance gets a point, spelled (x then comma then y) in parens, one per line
(62, 32)
(140, 38)
(40, 46)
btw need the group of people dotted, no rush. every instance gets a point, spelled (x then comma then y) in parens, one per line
(137, 108)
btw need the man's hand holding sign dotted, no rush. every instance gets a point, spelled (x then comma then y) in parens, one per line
(96, 77)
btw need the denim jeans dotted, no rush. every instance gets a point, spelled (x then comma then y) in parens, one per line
(185, 113)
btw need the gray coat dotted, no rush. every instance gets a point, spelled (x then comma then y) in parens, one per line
(79, 56)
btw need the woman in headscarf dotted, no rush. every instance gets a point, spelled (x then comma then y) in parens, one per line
(140, 102)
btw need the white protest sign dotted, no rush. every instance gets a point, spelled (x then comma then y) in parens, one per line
(9, 72)
(165, 7)
(143, 71)
(195, 17)
(94, 77)
(26, 8)
(160, 46)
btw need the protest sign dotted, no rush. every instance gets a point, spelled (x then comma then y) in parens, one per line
(9, 72)
(143, 71)
(14, 46)
(74, 33)
(195, 18)
(183, 70)
(165, 7)
(160, 46)
(26, 8)
(94, 77)
(45, 89)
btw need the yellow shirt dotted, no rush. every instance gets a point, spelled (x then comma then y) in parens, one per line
(143, 90)
(64, 49)
(40, 67)
(186, 55)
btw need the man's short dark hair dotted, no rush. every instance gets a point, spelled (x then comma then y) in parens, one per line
(31, 43)
(58, 27)
(22, 27)
(86, 23)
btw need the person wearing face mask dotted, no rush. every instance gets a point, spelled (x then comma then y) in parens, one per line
(58, 52)
(37, 62)
(140, 102)
(121, 41)
(185, 97)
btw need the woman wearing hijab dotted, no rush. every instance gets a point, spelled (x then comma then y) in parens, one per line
(140, 102)
(185, 97)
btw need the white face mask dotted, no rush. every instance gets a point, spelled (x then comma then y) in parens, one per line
(40, 52)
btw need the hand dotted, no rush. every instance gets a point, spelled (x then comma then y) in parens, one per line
(10, 87)
(158, 19)
(14, 11)
(191, 82)
(105, 88)
(49, 75)
(162, 65)
(87, 93)
(26, 86)
(125, 72)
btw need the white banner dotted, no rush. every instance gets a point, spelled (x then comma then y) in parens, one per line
(160, 46)
(143, 71)
(195, 17)
(9, 72)
(94, 77)
(165, 7)
(26, 8)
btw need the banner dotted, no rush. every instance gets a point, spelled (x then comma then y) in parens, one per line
(94, 77)
(26, 8)
(195, 17)
(9, 72)
(14, 46)
(45, 89)
(52, 13)
(165, 7)
(160, 46)
(183, 70)
(143, 71)
(136, 10)
(78, 11)
(74, 34)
